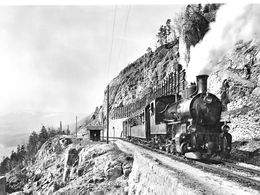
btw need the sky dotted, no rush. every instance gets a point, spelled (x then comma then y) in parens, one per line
(56, 58)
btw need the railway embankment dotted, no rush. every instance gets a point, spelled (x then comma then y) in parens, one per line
(154, 173)
(67, 165)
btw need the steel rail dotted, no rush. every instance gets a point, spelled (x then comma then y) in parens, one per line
(239, 167)
(229, 173)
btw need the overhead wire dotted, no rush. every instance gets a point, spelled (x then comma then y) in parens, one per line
(109, 62)
(112, 43)
(124, 32)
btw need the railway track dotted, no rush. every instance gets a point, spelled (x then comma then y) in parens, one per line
(233, 171)
(242, 168)
(222, 168)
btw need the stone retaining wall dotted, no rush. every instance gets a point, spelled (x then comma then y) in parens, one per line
(150, 177)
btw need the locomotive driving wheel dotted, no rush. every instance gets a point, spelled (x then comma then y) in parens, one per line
(172, 149)
(184, 147)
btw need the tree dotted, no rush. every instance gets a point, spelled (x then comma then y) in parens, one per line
(162, 35)
(13, 159)
(22, 152)
(43, 136)
(13, 156)
(18, 150)
(32, 143)
(51, 132)
(199, 8)
(168, 27)
(5, 165)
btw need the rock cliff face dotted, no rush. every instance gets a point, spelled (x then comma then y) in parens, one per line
(235, 79)
(65, 165)
(237, 75)
(137, 79)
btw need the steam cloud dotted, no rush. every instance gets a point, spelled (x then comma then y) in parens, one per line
(233, 23)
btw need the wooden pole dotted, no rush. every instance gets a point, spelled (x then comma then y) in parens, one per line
(107, 113)
(76, 126)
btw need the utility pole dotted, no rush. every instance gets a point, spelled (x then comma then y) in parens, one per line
(103, 124)
(76, 126)
(107, 113)
(68, 130)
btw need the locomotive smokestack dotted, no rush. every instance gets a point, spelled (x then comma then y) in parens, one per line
(202, 83)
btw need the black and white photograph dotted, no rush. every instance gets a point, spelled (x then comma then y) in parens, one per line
(129, 97)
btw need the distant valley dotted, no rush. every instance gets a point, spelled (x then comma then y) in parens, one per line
(15, 128)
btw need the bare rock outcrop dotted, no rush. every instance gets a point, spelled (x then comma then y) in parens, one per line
(71, 161)
(239, 69)
(236, 81)
(93, 168)
(65, 141)
(113, 169)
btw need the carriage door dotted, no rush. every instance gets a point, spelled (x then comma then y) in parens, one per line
(147, 122)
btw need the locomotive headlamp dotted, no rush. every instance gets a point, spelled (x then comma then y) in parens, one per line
(191, 128)
(207, 99)
(225, 128)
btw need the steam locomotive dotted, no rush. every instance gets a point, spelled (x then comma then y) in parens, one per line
(186, 124)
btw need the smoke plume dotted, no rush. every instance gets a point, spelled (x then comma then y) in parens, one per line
(233, 23)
